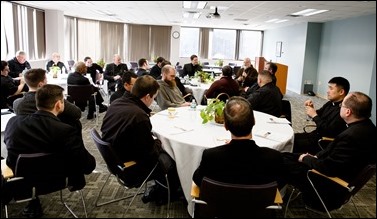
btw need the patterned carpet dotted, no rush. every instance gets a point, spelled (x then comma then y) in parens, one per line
(365, 200)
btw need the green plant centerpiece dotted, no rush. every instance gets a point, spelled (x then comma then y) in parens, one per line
(214, 110)
(219, 62)
(101, 63)
(204, 77)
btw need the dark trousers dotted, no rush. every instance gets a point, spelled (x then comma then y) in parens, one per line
(306, 142)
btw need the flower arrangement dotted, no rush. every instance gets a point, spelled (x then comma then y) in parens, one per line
(214, 110)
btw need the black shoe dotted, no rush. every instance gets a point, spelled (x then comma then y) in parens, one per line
(33, 209)
(102, 108)
(149, 195)
(91, 116)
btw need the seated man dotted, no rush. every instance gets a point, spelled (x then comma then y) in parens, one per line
(345, 157)
(78, 78)
(240, 161)
(114, 71)
(226, 84)
(267, 97)
(272, 68)
(143, 67)
(93, 69)
(8, 86)
(327, 118)
(35, 79)
(55, 62)
(43, 132)
(127, 127)
(156, 69)
(128, 80)
(169, 95)
(190, 68)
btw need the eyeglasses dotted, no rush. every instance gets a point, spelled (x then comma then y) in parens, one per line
(342, 105)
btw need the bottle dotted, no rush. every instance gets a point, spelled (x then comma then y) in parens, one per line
(63, 70)
(193, 104)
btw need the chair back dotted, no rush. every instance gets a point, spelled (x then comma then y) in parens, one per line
(366, 174)
(205, 63)
(71, 63)
(235, 200)
(127, 175)
(80, 93)
(42, 173)
(134, 66)
(106, 152)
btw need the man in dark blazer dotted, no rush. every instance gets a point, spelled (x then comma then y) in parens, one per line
(345, 157)
(267, 96)
(240, 161)
(190, 68)
(43, 132)
(78, 78)
(114, 72)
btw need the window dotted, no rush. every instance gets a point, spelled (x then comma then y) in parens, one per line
(223, 44)
(250, 44)
(189, 43)
(22, 28)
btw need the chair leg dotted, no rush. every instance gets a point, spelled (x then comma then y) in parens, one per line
(108, 202)
(323, 203)
(168, 207)
(140, 187)
(69, 209)
(354, 204)
(289, 200)
(6, 211)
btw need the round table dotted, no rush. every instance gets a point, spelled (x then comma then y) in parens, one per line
(184, 137)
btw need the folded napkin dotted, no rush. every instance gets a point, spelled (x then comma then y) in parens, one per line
(269, 135)
(180, 128)
(278, 121)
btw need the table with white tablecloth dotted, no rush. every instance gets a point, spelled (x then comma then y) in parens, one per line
(198, 90)
(185, 137)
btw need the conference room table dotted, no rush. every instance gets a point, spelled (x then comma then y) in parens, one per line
(198, 90)
(184, 138)
(5, 116)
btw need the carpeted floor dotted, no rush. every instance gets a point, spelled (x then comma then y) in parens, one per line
(365, 199)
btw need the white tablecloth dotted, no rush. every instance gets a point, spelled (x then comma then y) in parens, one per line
(198, 91)
(185, 137)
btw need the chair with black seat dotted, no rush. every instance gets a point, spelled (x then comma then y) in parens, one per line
(205, 63)
(134, 66)
(286, 110)
(219, 199)
(333, 193)
(124, 172)
(79, 94)
(40, 174)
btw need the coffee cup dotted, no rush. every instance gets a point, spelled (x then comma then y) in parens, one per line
(172, 112)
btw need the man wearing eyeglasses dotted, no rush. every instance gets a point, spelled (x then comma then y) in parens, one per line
(327, 119)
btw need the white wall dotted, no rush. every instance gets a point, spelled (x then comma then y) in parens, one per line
(347, 48)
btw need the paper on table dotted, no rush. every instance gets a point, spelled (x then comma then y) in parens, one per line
(273, 136)
(278, 121)
(180, 128)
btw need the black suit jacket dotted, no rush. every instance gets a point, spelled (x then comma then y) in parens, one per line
(44, 132)
(240, 161)
(190, 69)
